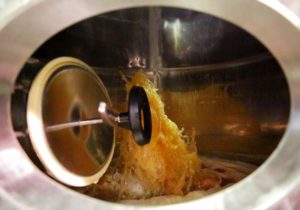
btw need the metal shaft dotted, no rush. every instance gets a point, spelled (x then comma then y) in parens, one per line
(73, 124)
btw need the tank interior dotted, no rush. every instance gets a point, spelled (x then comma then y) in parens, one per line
(218, 82)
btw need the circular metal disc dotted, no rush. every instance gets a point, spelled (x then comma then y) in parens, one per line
(68, 90)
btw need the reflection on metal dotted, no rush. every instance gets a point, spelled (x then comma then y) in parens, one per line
(155, 39)
(273, 128)
(194, 39)
(71, 124)
(175, 27)
(109, 115)
(236, 79)
(136, 62)
(64, 125)
(13, 162)
(219, 66)
(67, 90)
(36, 191)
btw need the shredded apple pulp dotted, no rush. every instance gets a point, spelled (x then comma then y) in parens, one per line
(168, 165)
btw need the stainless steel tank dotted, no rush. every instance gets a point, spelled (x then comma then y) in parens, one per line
(226, 71)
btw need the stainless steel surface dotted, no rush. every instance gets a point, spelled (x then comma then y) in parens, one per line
(24, 187)
(292, 5)
(203, 61)
(109, 115)
(64, 125)
(224, 68)
(72, 124)
(67, 90)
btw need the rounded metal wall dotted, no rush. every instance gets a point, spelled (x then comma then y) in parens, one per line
(274, 185)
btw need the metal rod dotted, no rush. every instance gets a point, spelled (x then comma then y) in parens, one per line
(155, 61)
(73, 124)
(50, 128)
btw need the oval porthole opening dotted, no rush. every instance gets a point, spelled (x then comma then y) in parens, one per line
(217, 82)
